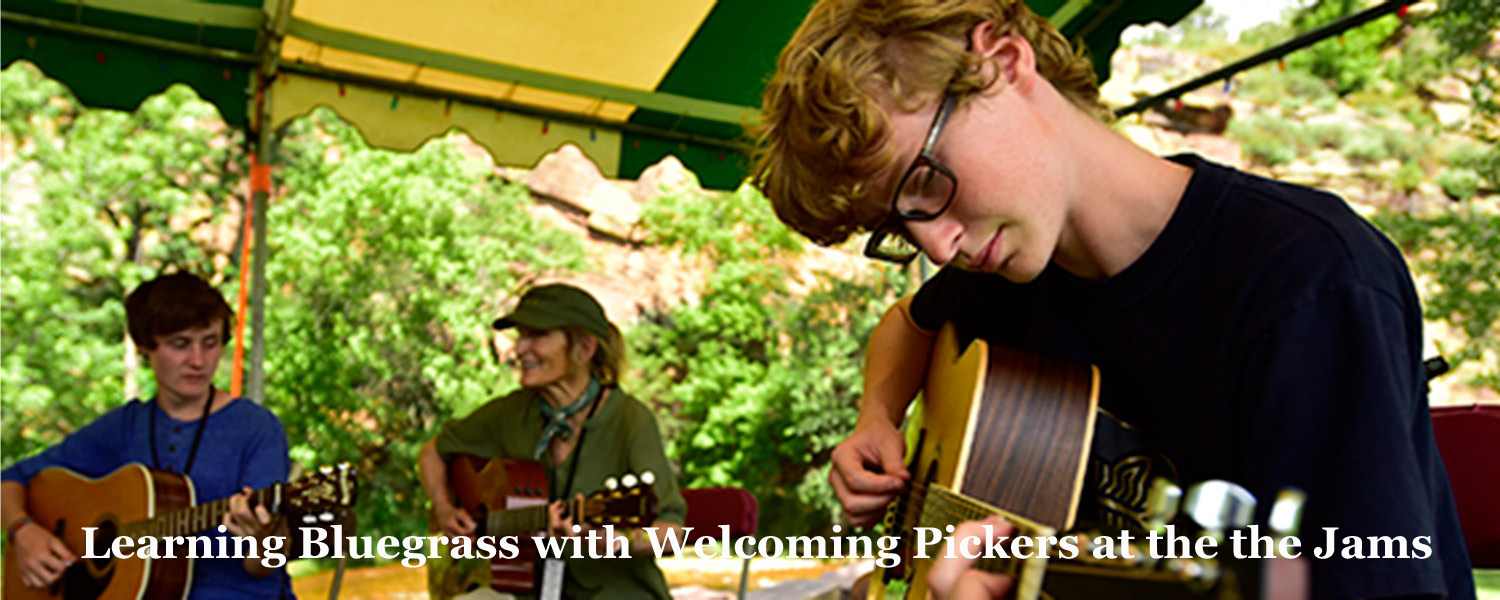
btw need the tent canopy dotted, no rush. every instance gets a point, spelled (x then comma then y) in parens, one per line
(628, 82)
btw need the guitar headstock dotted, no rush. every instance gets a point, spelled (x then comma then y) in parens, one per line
(629, 501)
(1214, 509)
(321, 496)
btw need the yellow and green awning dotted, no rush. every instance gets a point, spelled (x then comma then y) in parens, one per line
(629, 82)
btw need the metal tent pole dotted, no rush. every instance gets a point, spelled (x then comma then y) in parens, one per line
(270, 54)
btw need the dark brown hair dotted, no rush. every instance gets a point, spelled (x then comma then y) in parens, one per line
(172, 303)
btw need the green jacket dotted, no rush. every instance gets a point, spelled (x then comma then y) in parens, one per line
(622, 436)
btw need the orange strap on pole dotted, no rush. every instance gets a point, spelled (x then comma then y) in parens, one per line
(260, 187)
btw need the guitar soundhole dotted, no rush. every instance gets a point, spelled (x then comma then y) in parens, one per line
(80, 582)
(903, 515)
(104, 538)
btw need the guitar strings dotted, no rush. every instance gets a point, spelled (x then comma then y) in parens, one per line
(950, 508)
(183, 521)
(949, 502)
(947, 507)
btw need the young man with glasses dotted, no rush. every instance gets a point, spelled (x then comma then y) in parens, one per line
(1244, 329)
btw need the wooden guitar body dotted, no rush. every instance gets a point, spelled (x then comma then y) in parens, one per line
(1005, 432)
(136, 502)
(490, 486)
(508, 497)
(999, 431)
(64, 502)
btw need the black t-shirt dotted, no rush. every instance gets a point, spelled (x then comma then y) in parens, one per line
(1270, 337)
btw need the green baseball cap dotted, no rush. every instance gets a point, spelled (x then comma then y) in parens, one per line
(557, 305)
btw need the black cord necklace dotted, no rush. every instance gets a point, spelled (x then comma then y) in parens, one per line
(197, 437)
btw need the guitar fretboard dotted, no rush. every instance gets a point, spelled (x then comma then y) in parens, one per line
(516, 521)
(942, 507)
(196, 519)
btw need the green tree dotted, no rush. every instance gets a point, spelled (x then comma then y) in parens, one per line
(1459, 249)
(756, 383)
(97, 201)
(1351, 61)
(386, 271)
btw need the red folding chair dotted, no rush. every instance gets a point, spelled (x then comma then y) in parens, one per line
(1469, 438)
(711, 508)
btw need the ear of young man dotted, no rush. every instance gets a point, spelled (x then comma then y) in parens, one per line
(1006, 59)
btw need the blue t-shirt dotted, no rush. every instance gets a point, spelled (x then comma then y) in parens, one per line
(244, 445)
(1268, 336)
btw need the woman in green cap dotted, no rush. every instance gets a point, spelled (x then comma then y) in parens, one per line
(571, 416)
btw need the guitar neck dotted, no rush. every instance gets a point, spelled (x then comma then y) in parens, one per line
(516, 521)
(944, 507)
(195, 519)
(1081, 578)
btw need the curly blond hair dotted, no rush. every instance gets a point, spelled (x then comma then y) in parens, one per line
(822, 136)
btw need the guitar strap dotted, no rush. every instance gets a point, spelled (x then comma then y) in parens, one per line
(197, 437)
(551, 584)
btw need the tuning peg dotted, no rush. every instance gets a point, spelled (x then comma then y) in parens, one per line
(1286, 512)
(1217, 505)
(1162, 503)
(326, 470)
(648, 478)
(611, 484)
(326, 517)
(629, 480)
(309, 519)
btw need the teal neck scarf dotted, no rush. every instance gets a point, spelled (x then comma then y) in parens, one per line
(557, 417)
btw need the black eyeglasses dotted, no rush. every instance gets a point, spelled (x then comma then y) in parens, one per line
(923, 193)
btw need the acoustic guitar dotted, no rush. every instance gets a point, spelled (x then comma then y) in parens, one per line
(509, 497)
(1005, 432)
(136, 501)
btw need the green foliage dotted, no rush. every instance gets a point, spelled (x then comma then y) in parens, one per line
(1328, 134)
(1267, 139)
(1292, 89)
(390, 267)
(1464, 28)
(1365, 144)
(1459, 183)
(1408, 177)
(1270, 33)
(1459, 249)
(97, 201)
(756, 382)
(385, 270)
(1203, 31)
(1273, 140)
(1423, 58)
(1351, 61)
(1381, 104)
(1482, 160)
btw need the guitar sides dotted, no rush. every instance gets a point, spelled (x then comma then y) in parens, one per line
(1009, 428)
(65, 502)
